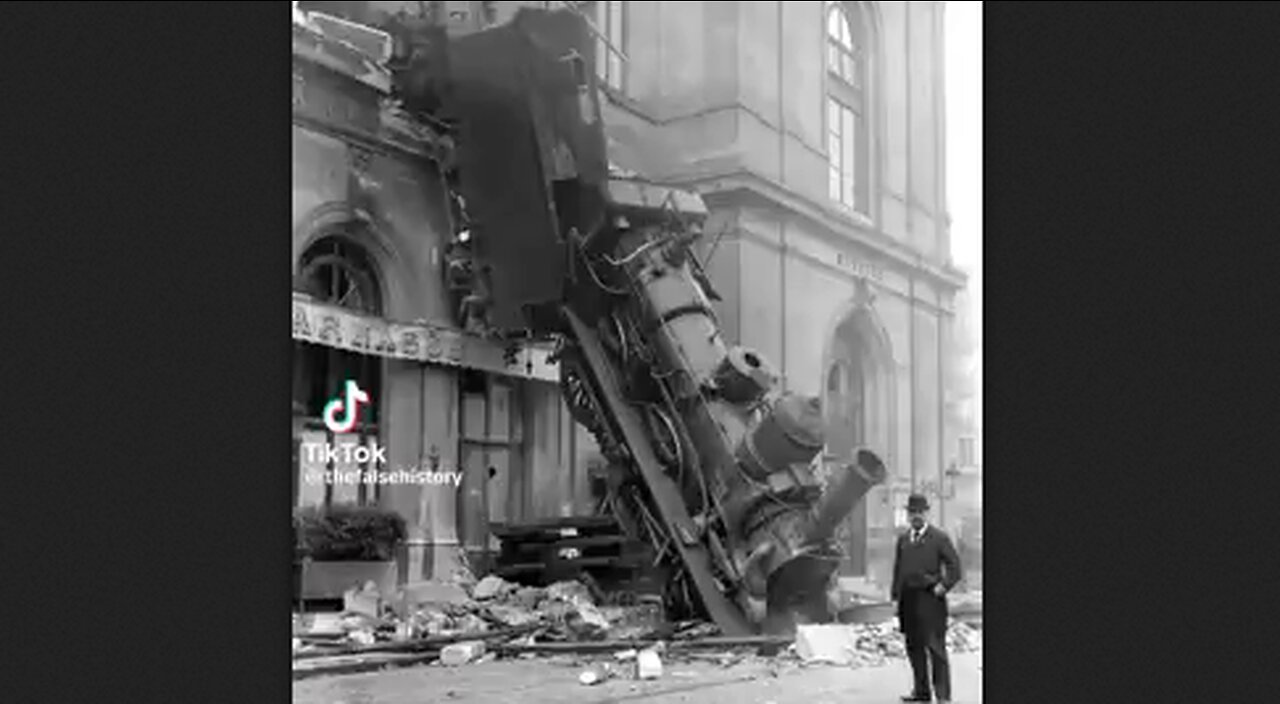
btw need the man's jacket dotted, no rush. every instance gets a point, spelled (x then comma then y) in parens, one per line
(921, 565)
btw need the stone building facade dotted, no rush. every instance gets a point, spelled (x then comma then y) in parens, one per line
(815, 133)
(370, 226)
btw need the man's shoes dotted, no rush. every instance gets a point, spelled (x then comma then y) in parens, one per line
(917, 698)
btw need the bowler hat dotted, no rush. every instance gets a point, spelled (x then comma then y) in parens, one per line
(917, 502)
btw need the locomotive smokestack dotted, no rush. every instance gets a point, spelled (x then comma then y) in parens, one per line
(843, 493)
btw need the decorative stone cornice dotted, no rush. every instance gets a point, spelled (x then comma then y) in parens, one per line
(828, 220)
(371, 119)
(340, 57)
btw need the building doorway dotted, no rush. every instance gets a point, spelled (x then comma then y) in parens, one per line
(857, 404)
(490, 439)
(846, 432)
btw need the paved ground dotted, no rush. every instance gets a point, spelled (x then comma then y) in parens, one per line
(537, 681)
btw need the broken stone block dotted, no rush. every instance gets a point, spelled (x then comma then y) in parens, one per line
(555, 610)
(362, 637)
(352, 621)
(431, 620)
(512, 616)
(648, 665)
(471, 624)
(572, 592)
(592, 616)
(323, 625)
(632, 622)
(456, 654)
(829, 643)
(434, 592)
(592, 676)
(364, 601)
(492, 587)
(528, 597)
(583, 624)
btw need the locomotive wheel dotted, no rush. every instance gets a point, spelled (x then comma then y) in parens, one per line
(666, 439)
(614, 337)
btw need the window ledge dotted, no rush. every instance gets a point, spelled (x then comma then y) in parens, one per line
(617, 97)
(851, 214)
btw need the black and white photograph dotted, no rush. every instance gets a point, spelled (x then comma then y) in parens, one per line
(637, 352)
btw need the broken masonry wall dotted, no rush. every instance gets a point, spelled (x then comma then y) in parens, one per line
(349, 182)
(389, 199)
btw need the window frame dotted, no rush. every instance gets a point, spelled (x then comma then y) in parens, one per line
(610, 19)
(849, 185)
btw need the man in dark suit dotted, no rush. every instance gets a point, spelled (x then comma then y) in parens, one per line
(925, 568)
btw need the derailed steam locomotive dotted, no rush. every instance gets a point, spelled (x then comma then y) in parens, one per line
(709, 461)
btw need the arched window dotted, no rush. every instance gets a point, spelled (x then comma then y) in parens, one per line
(835, 381)
(337, 272)
(848, 146)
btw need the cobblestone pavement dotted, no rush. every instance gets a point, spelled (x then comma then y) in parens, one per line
(555, 680)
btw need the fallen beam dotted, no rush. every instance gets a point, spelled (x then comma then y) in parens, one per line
(420, 644)
(612, 645)
(347, 665)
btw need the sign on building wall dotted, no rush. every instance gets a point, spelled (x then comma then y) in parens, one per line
(859, 268)
(343, 329)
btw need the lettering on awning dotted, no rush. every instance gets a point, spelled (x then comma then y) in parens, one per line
(340, 328)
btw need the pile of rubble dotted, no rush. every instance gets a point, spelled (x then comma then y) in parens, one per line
(460, 622)
(564, 611)
(490, 608)
(863, 645)
(849, 645)
(885, 639)
(963, 638)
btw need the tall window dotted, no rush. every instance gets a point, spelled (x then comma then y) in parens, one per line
(848, 151)
(610, 20)
(340, 273)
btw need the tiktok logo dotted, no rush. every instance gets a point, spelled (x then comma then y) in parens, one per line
(349, 405)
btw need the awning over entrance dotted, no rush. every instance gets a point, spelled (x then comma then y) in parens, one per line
(340, 328)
